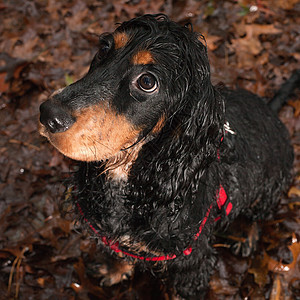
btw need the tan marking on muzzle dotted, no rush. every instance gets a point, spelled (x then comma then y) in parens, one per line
(98, 134)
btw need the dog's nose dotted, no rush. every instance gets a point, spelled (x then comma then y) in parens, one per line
(55, 117)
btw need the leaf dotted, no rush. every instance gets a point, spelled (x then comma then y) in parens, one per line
(4, 86)
(49, 230)
(246, 48)
(11, 70)
(260, 270)
(78, 14)
(286, 4)
(276, 289)
(296, 106)
(211, 41)
(69, 79)
(278, 267)
(86, 286)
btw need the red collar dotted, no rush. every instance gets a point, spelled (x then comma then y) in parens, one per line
(221, 201)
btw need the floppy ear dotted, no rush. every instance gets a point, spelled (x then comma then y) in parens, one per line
(178, 158)
(199, 119)
(175, 174)
(201, 109)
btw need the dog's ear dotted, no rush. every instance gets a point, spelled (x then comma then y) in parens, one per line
(196, 126)
(200, 118)
(201, 107)
(180, 186)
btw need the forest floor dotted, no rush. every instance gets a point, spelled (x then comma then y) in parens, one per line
(47, 44)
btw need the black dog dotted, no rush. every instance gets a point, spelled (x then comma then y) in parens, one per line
(166, 157)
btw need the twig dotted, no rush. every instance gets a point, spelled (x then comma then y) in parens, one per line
(14, 141)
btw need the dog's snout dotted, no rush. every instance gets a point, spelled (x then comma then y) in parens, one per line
(55, 117)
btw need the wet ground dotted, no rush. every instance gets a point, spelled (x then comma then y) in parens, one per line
(45, 45)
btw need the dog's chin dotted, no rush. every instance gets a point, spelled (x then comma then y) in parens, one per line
(42, 130)
(82, 155)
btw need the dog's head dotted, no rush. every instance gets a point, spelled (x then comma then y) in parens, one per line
(146, 72)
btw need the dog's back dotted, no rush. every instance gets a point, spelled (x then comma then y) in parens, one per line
(258, 157)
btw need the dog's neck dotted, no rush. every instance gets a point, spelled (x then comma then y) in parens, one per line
(117, 168)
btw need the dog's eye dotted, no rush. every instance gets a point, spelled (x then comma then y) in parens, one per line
(147, 83)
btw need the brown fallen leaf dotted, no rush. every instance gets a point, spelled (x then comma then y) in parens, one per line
(276, 289)
(211, 41)
(49, 230)
(79, 13)
(10, 70)
(260, 270)
(86, 286)
(296, 105)
(278, 267)
(285, 4)
(4, 85)
(294, 191)
(246, 48)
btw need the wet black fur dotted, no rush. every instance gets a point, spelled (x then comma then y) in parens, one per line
(177, 174)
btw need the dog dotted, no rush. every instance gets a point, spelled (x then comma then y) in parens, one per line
(166, 158)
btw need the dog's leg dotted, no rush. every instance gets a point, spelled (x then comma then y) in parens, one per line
(191, 275)
(120, 271)
(110, 271)
(247, 245)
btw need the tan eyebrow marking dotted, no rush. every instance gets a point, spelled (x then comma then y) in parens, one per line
(121, 39)
(143, 57)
